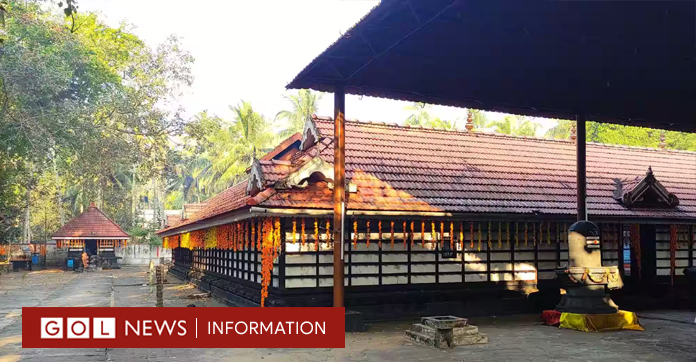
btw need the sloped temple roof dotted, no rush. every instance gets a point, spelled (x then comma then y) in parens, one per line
(406, 169)
(91, 224)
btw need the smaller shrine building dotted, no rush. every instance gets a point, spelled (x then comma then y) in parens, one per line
(93, 233)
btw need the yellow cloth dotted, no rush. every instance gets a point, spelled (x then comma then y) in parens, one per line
(601, 322)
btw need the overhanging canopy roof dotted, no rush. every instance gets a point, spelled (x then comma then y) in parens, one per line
(628, 62)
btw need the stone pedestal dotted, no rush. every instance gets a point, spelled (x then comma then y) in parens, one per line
(586, 290)
(445, 332)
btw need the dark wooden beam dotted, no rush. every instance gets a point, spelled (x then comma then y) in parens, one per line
(581, 156)
(339, 192)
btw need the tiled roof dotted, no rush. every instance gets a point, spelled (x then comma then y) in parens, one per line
(419, 169)
(173, 220)
(91, 223)
(397, 168)
(229, 200)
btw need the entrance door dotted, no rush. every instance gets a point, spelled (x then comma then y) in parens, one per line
(648, 256)
(91, 247)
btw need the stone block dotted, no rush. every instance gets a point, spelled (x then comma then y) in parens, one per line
(466, 330)
(444, 322)
(445, 332)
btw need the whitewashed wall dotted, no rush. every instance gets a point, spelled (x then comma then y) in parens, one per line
(135, 254)
(508, 260)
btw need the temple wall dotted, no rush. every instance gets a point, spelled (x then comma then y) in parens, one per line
(429, 261)
(516, 260)
(137, 254)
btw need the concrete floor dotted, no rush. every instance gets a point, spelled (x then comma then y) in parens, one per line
(669, 335)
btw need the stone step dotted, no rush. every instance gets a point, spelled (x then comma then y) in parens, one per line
(423, 329)
(465, 330)
(444, 322)
(468, 339)
(425, 340)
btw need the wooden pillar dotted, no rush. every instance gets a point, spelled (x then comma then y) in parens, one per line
(581, 156)
(339, 192)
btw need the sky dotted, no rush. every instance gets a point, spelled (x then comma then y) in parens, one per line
(251, 49)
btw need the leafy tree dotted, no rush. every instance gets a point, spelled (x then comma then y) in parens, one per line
(87, 107)
(419, 116)
(480, 119)
(304, 104)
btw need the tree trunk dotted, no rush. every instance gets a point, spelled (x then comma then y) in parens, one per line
(59, 193)
(26, 227)
(134, 198)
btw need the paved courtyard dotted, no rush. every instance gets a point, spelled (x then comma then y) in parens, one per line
(669, 335)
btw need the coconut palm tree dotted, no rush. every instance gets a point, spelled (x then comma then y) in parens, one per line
(304, 105)
(515, 125)
(233, 149)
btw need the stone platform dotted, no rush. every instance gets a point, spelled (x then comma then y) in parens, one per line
(445, 332)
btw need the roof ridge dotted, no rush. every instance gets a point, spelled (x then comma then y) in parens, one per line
(497, 135)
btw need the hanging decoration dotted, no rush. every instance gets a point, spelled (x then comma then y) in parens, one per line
(479, 236)
(433, 235)
(635, 243)
(534, 239)
(186, 240)
(221, 237)
(471, 234)
(500, 235)
(488, 236)
(260, 236)
(526, 233)
(405, 234)
(303, 236)
(316, 234)
(328, 233)
(235, 236)
(558, 233)
(392, 234)
(442, 234)
(451, 235)
(461, 234)
(548, 233)
(565, 232)
(672, 252)
(197, 238)
(379, 235)
(244, 235)
(277, 244)
(423, 233)
(269, 252)
(355, 234)
(507, 234)
(411, 234)
(367, 236)
(517, 234)
(174, 241)
(294, 230)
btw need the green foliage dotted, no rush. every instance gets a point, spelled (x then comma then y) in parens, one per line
(515, 125)
(80, 105)
(626, 135)
(217, 153)
(304, 105)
